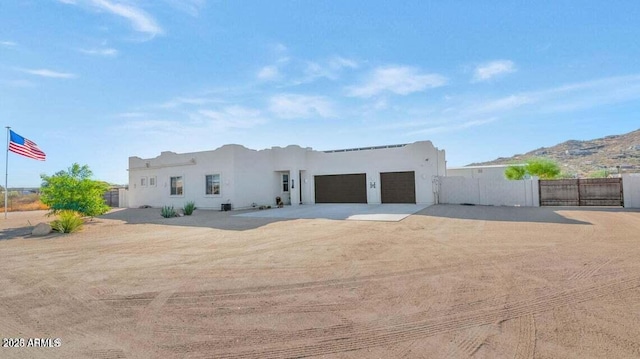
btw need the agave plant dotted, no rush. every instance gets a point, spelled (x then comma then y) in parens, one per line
(67, 222)
(168, 212)
(188, 208)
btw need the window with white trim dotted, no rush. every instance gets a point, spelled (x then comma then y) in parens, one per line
(143, 181)
(152, 181)
(212, 185)
(176, 186)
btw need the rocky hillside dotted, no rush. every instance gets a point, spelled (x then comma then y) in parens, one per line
(585, 157)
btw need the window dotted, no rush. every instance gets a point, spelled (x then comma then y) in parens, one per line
(176, 186)
(143, 182)
(212, 184)
(285, 182)
(152, 181)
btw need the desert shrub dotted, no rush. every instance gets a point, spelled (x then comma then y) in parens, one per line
(539, 167)
(74, 190)
(168, 212)
(67, 222)
(27, 202)
(188, 208)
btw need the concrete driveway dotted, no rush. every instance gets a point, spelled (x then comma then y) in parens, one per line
(357, 212)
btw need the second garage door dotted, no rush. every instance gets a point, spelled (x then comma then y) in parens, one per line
(350, 188)
(398, 187)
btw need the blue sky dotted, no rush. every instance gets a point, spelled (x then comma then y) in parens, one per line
(97, 81)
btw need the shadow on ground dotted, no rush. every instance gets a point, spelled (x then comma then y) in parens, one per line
(199, 218)
(508, 214)
(11, 233)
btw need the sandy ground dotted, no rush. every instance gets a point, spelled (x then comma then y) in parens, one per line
(448, 282)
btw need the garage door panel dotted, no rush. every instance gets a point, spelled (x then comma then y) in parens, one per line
(350, 188)
(398, 187)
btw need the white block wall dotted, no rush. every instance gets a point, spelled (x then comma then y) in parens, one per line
(488, 191)
(631, 190)
(123, 198)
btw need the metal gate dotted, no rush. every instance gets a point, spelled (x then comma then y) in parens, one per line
(581, 192)
(111, 197)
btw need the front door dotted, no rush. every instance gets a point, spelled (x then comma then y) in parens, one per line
(285, 193)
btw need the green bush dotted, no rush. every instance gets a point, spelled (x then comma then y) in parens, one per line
(188, 208)
(168, 212)
(539, 167)
(67, 222)
(74, 190)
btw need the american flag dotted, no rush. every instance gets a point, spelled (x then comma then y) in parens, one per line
(24, 147)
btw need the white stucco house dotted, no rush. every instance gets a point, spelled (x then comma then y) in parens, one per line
(241, 177)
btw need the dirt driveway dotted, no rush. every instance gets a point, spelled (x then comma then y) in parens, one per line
(447, 282)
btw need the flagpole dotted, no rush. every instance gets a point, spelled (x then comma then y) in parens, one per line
(6, 177)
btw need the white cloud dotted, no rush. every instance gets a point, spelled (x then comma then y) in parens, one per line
(329, 69)
(232, 117)
(292, 106)
(100, 52)
(191, 7)
(400, 80)
(49, 73)
(140, 20)
(8, 43)
(279, 49)
(180, 101)
(543, 104)
(268, 73)
(194, 124)
(338, 62)
(487, 71)
(504, 104)
(588, 94)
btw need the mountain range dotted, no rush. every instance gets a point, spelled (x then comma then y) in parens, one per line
(614, 154)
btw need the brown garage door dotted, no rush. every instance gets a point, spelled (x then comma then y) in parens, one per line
(398, 187)
(341, 188)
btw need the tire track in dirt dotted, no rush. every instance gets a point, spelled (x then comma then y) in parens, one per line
(284, 289)
(10, 328)
(473, 339)
(74, 321)
(589, 269)
(477, 336)
(107, 354)
(388, 335)
(526, 346)
(154, 302)
(525, 337)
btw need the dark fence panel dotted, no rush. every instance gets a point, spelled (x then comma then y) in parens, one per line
(111, 197)
(581, 192)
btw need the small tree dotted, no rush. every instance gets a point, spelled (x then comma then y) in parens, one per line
(74, 190)
(539, 167)
(515, 172)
